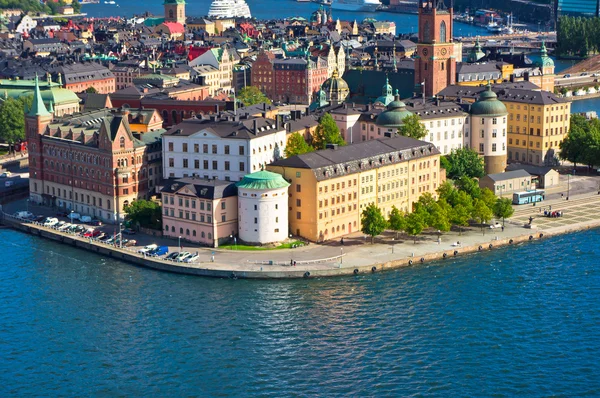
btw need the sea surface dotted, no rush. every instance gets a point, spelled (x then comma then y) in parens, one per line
(519, 321)
(270, 9)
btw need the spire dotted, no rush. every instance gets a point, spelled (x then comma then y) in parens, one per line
(544, 50)
(394, 56)
(37, 107)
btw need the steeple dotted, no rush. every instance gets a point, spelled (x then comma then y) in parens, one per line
(394, 57)
(37, 107)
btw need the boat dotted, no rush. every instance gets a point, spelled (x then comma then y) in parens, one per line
(493, 27)
(355, 5)
(303, 1)
(110, 2)
(508, 29)
(229, 9)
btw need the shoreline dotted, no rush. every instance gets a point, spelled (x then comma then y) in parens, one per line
(257, 271)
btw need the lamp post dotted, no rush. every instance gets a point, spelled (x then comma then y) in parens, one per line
(180, 242)
(568, 185)
(234, 240)
(120, 235)
(341, 255)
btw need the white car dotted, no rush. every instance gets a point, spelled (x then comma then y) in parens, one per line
(74, 216)
(148, 248)
(50, 222)
(24, 214)
(191, 258)
(6, 174)
(496, 225)
(64, 226)
(182, 256)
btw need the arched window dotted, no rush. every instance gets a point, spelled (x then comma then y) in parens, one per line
(174, 114)
(170, 14)
(187, 232)
(180, 230)
(122, 142)
(165, 115)
(443, 32)
(173, 229)
(194, 233)
(427, 32)
(202, 234)
(167, 228)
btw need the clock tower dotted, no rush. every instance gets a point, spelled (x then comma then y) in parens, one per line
(436, 62)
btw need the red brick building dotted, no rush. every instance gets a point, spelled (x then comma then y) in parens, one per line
(435, 62)
(291, 80)
(90, 163)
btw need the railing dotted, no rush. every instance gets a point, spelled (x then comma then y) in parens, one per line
(301, 262)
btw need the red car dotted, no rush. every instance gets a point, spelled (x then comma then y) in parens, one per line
(92, 233)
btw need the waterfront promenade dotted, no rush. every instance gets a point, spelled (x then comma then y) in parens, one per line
(357, 255)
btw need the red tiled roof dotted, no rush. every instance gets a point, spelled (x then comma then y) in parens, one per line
(174, 27)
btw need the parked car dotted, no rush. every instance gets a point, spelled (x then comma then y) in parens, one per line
(6, 174)
(60, 224)
(39, 218)
(182, 256)
(496, 225)
(567, 75)
(27, 215)
(147, 249)
(85, 219)
(172, 256)
(50, 221)
(104, 238)
(95, 223)
(62, 214)
(159, 251)
(128, 231)
(80, 229)
(74, 216)
(191, 258)
(92, 233)
(65, 227)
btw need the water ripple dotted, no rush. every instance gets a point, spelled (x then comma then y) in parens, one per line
(522, 320)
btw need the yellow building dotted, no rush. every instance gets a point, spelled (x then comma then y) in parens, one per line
(330, 188)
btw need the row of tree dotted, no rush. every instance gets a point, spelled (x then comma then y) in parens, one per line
(577, 36)
(456, 206)
(582, 145)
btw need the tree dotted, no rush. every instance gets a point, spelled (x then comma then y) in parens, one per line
(481, 213)
(439, 216)
(503, 209)
(396, 221)
(251, 95)
(464, 162)
(582, 145)
(414, 225)
(488, 197)
(91, 90)
(460, 216)
(468, 185)
(144, 213)
(373, 222)
(296, 145)
(327, 133)
(12, 121)
(412, 127)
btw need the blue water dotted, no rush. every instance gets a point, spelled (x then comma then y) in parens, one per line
(269, 9)
(520, 321)
(592, 104)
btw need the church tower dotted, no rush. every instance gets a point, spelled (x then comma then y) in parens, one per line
(436, 62)
(36, 120)
(175, 11)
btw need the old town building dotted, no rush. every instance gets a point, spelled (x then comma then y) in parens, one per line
(330, 188)
(90, 163)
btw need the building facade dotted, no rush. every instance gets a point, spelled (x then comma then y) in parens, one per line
(90, 163)
(262, 208)
(436, 61)
(223, 147)
(175, 11)
(330, 188)
(200, 211)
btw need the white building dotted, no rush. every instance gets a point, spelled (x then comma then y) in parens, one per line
(263, 208)
(223, 147)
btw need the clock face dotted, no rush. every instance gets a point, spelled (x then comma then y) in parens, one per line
(425, 51)
(444, 51)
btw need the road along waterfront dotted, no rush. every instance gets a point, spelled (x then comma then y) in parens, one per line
(580, 213)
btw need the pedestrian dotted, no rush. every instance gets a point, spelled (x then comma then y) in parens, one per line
(439, 240)
(503, 228)
(294, 263)
(342, 241)
(550, 208)
(562, 195)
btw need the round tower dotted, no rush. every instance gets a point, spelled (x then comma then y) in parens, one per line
(488, 130)
(263, 208)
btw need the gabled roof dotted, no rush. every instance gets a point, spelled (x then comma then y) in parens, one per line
(200, 188)
(509, 175)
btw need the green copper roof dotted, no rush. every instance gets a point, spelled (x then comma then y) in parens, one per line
(395, 113)
(488, 104)
(174, 2)
(262, 180)
(37, 107)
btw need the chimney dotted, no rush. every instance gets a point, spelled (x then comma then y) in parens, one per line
(255, 128)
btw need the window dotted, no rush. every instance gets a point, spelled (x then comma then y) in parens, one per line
(196, 149)
(214, 164)
(480, 147)
(241, 150)
(171, 162)
(242, 166)
(226, 165)
(184, 147)
(298, 188)
(185, 163)
(226, 149)
(196, 164)
(493, 147)
(223, 206)
(122, 142)
(171, 146)
(298, 203)
(298, 215)
(214, 149)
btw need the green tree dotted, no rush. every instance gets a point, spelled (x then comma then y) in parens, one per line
(327, 132)
(440, 216)
(296, 145)
(460, 216)
(464, 162)
(144, 213)
(481, 213)
(488, 197)
(373, 222)
(396, 220)
(468, 185)
(251, 95)
(414, 225)
(503, 209)
(412, 127)
(582, 145)
(12, 120)
(91, 90)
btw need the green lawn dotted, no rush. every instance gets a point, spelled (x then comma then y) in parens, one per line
(246, 247)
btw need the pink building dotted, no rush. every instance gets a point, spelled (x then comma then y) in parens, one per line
(200, 211)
